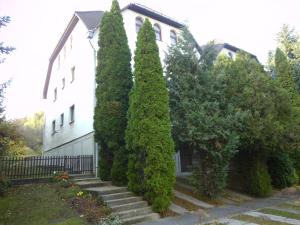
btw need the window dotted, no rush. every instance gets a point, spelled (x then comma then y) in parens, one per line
(230, 55)
(138, 24)
(63, 83)
(55, 94)
(173, 37)
(58, 62)
(71, 42)
(72, 74)
(72, 114)
(53, 127)
(61, 120)
(157, 31)
(65, 52)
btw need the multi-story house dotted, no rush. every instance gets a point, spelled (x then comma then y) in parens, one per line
(70, 82)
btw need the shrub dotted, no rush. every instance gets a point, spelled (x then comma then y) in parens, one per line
(111, 220)
(62, 178)
(4, 185)
(281, 170)
(249, 174)
(258, 179)
(295, 158)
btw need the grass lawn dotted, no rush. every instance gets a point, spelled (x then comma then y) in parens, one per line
(280, 213)
(39, 204)
(258, 220)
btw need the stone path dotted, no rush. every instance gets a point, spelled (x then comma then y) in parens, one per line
(130, 208)
(193, 200)
(227, 214)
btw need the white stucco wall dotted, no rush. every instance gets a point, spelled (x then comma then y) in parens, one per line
(79, 93)
(77, 138)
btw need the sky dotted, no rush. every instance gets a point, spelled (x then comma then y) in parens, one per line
(37, 25)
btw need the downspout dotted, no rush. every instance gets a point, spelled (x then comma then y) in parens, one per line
(96, 152)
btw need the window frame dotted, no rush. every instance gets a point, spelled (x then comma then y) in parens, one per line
(53, 128)
(62, 119)
(72, 114)
(157, 31)
(63, 83)
(173, 37)
(72, 74)
(138, 23)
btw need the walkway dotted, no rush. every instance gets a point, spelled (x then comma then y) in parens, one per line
(224, 213)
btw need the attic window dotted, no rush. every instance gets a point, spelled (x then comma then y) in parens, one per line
(157, 31)
(138, 24)
(173, 37)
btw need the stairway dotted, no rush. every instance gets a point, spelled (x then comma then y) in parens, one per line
(130, 208)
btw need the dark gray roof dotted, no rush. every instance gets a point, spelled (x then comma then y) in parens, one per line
(153, 14)
(219, 47)
(91, 19)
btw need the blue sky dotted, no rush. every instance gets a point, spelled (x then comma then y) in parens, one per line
(38, 24)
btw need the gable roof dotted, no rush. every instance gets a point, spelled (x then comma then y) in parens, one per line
(91, 19)
(219, 47)
(153, 14)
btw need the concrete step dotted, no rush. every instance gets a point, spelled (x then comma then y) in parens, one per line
(192, 200)
(122, 201)
(134, 212)
(116, 196)
(128, 206)
(82, 176)
(105, 190)
(178, 209)
(142, 218)
(91, 183)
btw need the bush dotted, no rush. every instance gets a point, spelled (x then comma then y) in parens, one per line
(249, 174)
(295, 158)
(4, 185)
(281, 170)
(62, 178)
(111, 220)
(259, 180)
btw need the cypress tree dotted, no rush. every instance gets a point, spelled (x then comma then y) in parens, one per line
(114, 79)
(151, 170)
(284, 75)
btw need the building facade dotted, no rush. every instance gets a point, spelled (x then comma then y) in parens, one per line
(69, 87)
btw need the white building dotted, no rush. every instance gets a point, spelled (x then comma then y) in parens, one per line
(70, 83)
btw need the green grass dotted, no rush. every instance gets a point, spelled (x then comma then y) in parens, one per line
(262, 221)
(281, 213)
(37, 204)
(290, 206)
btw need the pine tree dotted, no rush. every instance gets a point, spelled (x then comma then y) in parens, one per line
(151, 169)
(114, 79)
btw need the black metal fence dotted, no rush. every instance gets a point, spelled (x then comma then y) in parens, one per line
(44, 166)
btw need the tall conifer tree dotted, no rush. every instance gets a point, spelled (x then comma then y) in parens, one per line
(114, 79)
(148, 136)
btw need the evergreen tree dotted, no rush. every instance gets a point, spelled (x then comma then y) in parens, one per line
(201, 118)
(114, 79)
(151, 169)
(284, 76)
